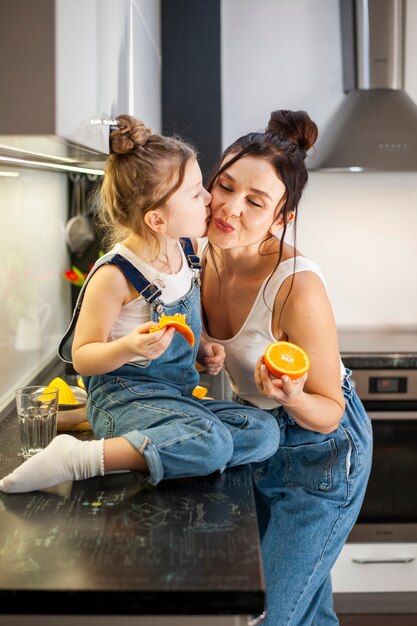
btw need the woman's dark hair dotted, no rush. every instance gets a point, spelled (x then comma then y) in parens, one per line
(285, 142)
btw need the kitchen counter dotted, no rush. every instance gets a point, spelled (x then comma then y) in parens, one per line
(114, 545)
(369, 348)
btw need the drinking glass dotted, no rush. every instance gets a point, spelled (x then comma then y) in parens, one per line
(37, 408)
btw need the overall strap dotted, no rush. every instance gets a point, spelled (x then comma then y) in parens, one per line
(192, 259)
(147, 290)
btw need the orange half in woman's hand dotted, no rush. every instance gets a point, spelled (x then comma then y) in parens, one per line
(283, 358)
(178, 322)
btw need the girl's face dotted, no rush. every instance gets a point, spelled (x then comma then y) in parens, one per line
(245, 203)
(188, 211)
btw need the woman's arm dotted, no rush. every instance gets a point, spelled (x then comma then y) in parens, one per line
(92, 353)
(315, 401)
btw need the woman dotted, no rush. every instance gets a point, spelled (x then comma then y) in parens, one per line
(310, 492)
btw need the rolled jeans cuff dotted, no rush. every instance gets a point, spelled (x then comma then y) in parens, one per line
(145, 447)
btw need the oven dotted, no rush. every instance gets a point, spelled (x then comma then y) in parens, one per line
(376, 571)
(384, 372)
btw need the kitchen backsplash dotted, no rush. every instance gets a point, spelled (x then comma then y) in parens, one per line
(34, 296)
(361, 229)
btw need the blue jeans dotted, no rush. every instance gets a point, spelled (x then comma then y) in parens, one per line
(179, 435)
(309, 495)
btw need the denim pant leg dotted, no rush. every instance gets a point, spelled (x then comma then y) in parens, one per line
(325, 612)
(311, 492)
(177, 436)
(255, 432)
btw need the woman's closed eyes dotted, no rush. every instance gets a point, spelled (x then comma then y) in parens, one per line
(230, 190)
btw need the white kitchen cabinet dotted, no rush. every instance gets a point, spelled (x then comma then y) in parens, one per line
(113, 55)
(146, 62)
(109, 60)
(376, 568)
(92, 60)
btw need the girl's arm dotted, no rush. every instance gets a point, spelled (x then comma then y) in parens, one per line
(92, 353)
(315, 401)
(211, 356)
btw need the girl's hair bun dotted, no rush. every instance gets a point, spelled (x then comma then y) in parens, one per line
(129, 135)
(294, 126)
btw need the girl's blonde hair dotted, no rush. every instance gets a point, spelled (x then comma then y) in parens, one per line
(141, 174)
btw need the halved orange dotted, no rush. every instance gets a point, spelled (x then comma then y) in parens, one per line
(178, 322)
(283, 358)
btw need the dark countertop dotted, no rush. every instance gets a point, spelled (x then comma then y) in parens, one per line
(115, 545)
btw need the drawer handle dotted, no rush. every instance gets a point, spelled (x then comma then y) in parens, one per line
(404, 559)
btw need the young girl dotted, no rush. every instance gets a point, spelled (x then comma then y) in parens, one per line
(311, 490)
(140, 383)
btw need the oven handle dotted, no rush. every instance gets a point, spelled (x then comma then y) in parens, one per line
(404, 559)
(394, 415)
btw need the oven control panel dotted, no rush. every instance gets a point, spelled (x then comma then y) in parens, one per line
(383, 385)
(387, 384)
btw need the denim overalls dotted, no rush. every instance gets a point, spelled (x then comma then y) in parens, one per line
(150, 403)
(309, 494)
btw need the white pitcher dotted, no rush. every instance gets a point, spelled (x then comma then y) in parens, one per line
(31, 326)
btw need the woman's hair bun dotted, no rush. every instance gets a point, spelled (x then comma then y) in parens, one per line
(129, 134)
(294, 126)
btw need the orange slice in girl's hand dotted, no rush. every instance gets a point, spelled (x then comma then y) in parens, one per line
(178, 322)
(283, 358)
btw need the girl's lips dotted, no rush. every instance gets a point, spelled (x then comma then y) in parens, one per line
(224, 227)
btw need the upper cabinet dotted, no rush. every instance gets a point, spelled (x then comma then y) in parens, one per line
(27, 67)
(92, 60)
(64, 62)
(146, 58)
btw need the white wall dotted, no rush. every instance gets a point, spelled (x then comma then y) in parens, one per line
(360, 228)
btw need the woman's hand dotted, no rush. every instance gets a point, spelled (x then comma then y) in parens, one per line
(284, 390)
(211, 356)
(148, 345)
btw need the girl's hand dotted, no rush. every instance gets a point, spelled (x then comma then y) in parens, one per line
(284, 390)
(211, 356)
(149, 345)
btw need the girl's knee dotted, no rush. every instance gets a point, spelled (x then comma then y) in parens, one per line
(206, 445)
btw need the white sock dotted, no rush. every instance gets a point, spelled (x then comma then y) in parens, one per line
(66, 458)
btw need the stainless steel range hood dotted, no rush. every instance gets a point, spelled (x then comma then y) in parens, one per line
(375, 128)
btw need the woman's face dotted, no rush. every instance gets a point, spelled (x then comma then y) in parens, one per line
(245, 203)
(188, 208)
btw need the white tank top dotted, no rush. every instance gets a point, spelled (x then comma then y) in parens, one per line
(244, 349)
(136, 312)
